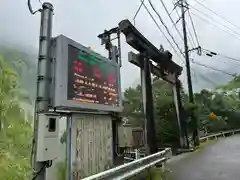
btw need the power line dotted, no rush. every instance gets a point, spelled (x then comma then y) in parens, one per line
(160, 18)
(215, 20)
(212, 68)
(166, 10)
(203, 76)
(30, 7)
(203, 19)
(159, 28)
(192, 41)
(211, 82)
(194, 30)
(227, 62)
(214, 53)
(189, 32)
(218, 15)
(138, 10)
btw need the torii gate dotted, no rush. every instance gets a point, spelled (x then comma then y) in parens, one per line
(165, 69)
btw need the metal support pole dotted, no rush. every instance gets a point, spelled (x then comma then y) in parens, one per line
(147, 97)
(114, 53)
(137, 154)
(114, 140)
(69, 148)
(189, 79)
(43, 82)
(115, 57)
(119, 49)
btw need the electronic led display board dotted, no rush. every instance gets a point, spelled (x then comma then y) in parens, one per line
(90, 79)
(84, 79)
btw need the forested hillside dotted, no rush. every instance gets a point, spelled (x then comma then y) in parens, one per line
(15, 121)
(223, 101)
(25, 64)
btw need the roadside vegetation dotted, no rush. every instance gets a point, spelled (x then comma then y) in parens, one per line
(17, 91)
(223, 101)
(15, 127)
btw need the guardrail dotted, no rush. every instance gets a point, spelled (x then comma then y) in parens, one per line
(137, 166)
(220, 134)
(141, 152)
(133, 168)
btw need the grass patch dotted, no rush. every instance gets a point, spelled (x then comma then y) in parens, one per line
(153, 173)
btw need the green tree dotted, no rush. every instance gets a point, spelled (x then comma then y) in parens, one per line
(223, 101)
(10, 92)
(164, 111)
(132, 105)
(16, 130)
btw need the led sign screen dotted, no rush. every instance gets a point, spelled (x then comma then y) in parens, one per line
(91, 79)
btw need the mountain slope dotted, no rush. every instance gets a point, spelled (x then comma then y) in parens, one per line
(24, 63)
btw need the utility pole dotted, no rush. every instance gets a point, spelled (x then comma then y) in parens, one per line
(189, 79)
(43, 85)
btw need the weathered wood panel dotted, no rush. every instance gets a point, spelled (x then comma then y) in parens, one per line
(92, 144)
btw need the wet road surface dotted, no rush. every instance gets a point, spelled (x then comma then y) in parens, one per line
(218, 160)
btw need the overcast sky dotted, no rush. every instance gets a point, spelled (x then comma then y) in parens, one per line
(83, 20)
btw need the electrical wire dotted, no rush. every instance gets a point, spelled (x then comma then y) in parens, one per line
(48, 164)
(215, 20)
(234, 59)
(138, 10)
(212, 68)
(173, 7)
(194, 30)
(212, 82)
(38, 173)
(200, 3)
(226, 62)
(203, 76)
(162, 22)
(166, 10)
(205, 20)
(189, 33)
(159, 28)
(188, 30)
(30, 7)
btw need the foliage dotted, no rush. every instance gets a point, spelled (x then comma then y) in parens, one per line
(132, 105)
(61, 170)
(223, 101)
(14, 151)
(153, 173)
(16, 131)
(24, 64)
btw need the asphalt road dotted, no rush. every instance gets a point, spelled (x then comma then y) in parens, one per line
(218, 160)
